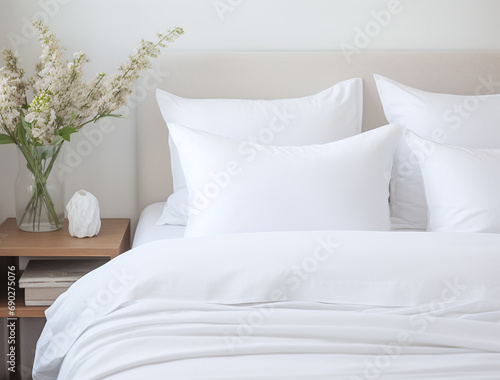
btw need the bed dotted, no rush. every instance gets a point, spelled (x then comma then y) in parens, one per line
(300, 292)
(147, 229)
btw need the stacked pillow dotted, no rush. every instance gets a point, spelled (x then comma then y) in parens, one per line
(302, 164)
(465, 121)
(330, 115)
(247, 187)
(462, 186)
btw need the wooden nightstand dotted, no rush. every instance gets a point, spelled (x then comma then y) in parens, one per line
(112, 240)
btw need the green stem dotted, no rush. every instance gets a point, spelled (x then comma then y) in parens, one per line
(93, 120)
(40, 197)
(95, 86)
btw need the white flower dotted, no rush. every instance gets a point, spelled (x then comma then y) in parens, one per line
(61, 95)
(30, 117)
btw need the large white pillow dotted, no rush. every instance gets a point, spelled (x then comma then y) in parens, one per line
(330, 115)
(467, 121)
(245, 187)
(462, 186)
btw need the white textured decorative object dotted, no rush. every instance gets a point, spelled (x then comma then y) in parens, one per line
(83, 215)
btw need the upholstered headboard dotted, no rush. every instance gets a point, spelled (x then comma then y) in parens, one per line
(271, 75)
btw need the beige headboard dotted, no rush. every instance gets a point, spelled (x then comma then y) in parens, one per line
(271, 75)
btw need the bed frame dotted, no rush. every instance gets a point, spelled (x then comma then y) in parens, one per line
(271, 75)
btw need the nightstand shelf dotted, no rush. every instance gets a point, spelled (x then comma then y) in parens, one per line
(112, 240)
(21, 309)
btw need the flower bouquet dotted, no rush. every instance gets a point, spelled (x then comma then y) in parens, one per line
(62, 102)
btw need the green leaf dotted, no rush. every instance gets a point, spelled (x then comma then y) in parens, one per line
(6, 139)
(21, 134)
(66, 132)
(56, 140)
(26, 127)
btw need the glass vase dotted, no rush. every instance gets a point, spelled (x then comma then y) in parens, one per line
(39, 193)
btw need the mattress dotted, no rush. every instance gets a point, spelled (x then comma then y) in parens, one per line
(147, 230)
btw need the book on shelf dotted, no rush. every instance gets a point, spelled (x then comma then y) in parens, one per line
(42, 296)
(45, 280)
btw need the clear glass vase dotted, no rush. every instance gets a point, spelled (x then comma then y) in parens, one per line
(39, 193)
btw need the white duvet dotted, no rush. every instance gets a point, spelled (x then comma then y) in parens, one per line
(286, 305)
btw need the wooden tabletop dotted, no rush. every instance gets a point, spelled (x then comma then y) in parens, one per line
(113, 239)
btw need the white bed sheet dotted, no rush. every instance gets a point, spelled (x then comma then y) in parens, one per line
(147, 230)
(286, 305)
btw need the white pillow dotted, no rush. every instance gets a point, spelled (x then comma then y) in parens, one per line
(330, 115)
(245, 187)
(462, 186)
(467, 121)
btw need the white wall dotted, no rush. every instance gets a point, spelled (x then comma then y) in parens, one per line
(107, 30)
